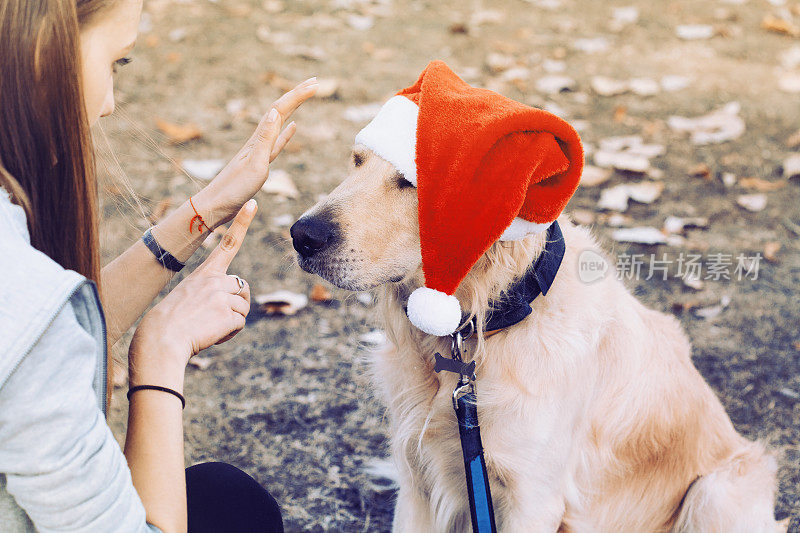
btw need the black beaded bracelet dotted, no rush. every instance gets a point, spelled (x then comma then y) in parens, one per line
(158, 388)
(166, 259)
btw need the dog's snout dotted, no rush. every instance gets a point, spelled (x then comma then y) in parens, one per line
(311, 235)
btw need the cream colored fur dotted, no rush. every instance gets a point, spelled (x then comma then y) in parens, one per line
(593, 417)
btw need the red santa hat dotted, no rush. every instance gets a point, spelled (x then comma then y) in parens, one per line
(486, 168)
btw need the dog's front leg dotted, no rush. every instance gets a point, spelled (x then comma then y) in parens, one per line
(411, 512)
(533, 509)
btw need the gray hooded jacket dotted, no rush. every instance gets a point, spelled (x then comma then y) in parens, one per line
(60, 467)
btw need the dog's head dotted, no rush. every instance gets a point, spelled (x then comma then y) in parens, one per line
(365, 232)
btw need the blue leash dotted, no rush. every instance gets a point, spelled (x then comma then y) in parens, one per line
(465, 405)
(480, 494)
(511, 310)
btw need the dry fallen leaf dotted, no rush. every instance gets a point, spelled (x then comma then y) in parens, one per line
(644, 86)
(614, 198)
(714, 310)
(728, 179)
(593, 176)
(179, 133)
(771, 250)
(591, 45)
(693, 32)
(622, 17)
(701, 170)
(618, 220)
(360, 22)
(761, 185)
(780, 25)
(721, 125)
(458, 28)
(645, 192)
(373, 337)
(365, 298)
(675, 225)
(584, 217)
(673, 82)
(499, 62)
(319, 293)
(693, 283)
(791, 166)
(554, 84)
(201, 363)
(621, 161)
(304, 51)
(328, 88)
(203, 169)
(276, 80)
(789, 82)
(752, 202)
(639, 235)
(280, 184)
(605, 86)
(281, 302)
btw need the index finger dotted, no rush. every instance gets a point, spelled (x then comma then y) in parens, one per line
(289, 102)
(220, 258)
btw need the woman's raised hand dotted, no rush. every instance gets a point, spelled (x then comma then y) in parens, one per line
(206, 308)
(246, 173)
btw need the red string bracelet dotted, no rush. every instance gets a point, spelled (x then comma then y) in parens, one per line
(200, 221)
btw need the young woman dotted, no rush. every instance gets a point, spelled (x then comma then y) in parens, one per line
(60, 467)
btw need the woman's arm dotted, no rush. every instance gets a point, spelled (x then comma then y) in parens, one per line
(207, 307)
(61, 462)
(131, 281)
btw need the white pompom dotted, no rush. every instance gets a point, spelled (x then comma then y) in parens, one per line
(434, 312)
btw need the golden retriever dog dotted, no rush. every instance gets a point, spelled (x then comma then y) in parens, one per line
(593, 417)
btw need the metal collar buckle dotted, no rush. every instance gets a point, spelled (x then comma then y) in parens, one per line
(456, 364)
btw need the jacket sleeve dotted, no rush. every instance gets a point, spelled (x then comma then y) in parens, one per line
(61, 461)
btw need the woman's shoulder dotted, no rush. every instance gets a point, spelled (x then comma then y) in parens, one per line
(33, 287)
(28, 275)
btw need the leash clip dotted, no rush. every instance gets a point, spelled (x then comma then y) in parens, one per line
(456, 364)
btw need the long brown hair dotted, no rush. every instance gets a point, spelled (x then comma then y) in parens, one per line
(46, 154)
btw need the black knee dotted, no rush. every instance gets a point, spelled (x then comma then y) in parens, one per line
(220, 497)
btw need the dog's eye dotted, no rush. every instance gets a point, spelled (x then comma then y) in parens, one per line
(402, 182)
(358, 159)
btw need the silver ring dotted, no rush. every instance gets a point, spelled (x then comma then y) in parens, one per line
(240, 281)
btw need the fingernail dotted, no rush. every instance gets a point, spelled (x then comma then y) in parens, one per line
(273, 115)
(311, 80)
(251, 205)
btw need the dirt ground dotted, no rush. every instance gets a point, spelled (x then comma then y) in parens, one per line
(288, 400)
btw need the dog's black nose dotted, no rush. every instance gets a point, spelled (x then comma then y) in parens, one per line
(311, 235)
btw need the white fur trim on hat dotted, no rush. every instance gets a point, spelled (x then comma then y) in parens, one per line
(521, 228)
(434, 312)
(392, 135)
